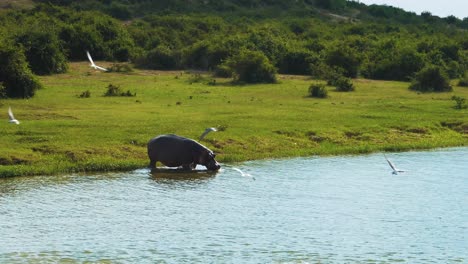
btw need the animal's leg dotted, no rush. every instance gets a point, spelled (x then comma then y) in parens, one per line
(190, 166)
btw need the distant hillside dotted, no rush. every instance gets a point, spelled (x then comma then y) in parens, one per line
(321, 38)
(123, 9)
(16, 4)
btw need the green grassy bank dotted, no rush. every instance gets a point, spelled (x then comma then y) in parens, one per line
(61, 133)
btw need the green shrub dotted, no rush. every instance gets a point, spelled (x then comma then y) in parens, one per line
(318, 91)
(3, 91)
(344, 84)
(464, 80)
(114, 90)
(43, 51)
(15, 74)
(297, 61)
(160, 58)
(345, 58)
(85, 94)
(222, 71)
(431, 79)
(460, 102)
(252, 67)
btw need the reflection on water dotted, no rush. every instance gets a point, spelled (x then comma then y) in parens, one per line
(305, 210)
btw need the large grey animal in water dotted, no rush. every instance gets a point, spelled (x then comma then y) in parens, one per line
(175, 151)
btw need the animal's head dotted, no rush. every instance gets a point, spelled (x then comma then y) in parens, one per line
(206, 158)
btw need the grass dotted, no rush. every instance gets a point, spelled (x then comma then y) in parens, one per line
(62, 133)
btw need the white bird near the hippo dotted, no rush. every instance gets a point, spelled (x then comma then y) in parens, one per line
(12, 118)
(208, 130)
(243, 174)
(395, 170)
(93, 65)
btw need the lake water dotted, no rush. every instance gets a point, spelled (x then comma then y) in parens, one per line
(347, 209)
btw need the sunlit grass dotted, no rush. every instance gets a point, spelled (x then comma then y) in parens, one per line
(60, 132)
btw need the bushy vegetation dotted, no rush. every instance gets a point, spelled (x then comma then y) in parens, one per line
(252, 67)
(320, 38)
(431, 79)
(15, 76)
(115, 90)
(460, 102)
(344, 84)
(60, 133)
(318, 90)
(85, 94)
(464, 80)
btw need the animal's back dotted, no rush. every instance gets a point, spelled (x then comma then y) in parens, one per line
(170, 149)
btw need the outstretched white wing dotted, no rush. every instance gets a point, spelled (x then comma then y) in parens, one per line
(391, 164)
(100, 68)
(208, 130)
(395, 170)
(93, 64)
(90, 59)
(10, 114)
(12, 117)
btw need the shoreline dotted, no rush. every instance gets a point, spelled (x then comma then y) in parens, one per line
(62, 133)
(126, 168)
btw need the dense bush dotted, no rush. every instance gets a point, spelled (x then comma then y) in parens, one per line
(160, 58)
(431, 79)
(44, 51)
(297, 61)
(460, 102)
(344, 58)
(223, 71)
(251, 67)
(15, 75)
(318, 91)
(395, 65)
(344, 84)
(464, 80)
(114, 90)
(85, 94)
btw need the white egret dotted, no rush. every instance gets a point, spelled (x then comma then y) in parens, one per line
(13, 120)
(93, 65)
(243, 174)
(208, 130)
(395, 170)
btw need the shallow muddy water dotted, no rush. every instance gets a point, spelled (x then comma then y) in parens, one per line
(348, 209)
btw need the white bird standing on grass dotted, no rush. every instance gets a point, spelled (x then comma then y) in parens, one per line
(13, 120)
(395, 170)
(93, 65)
(208, 130)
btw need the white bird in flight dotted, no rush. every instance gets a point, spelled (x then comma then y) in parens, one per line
(243, 174)
(13, 120)
(395, 170)
(93, 64)
(208, 130)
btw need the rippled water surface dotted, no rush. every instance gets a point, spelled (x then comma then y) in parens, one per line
(306, 210)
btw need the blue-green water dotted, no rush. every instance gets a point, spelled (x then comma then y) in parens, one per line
(307, 210)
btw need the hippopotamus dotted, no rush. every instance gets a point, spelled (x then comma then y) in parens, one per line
(175, 151)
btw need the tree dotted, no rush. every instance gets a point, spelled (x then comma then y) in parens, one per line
(431, 79)
(43, 51)
(160, 58)
(15, 75)
(344, 58)
(252, 67)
